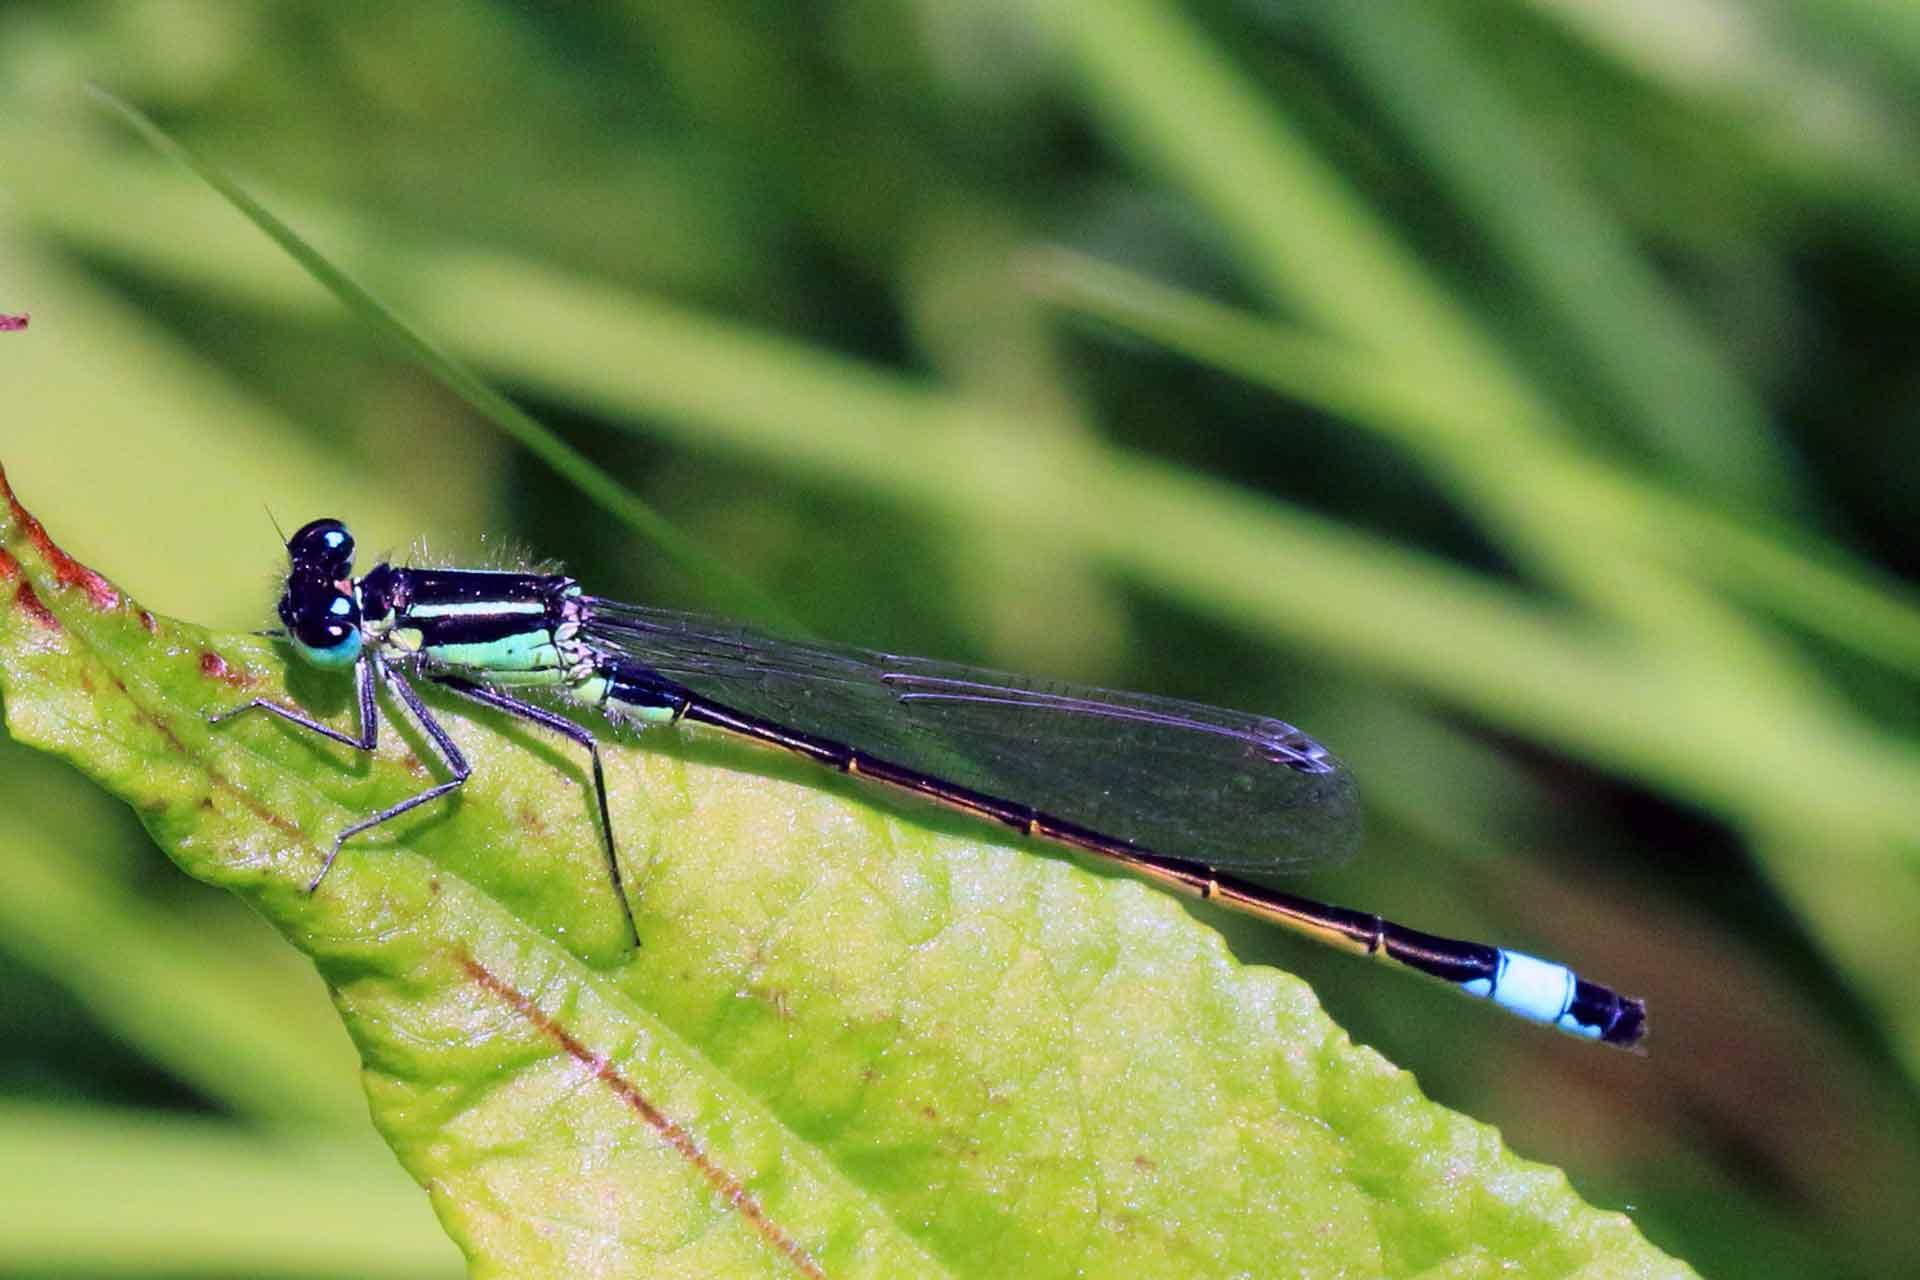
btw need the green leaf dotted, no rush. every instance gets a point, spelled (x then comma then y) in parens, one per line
(857, 1040)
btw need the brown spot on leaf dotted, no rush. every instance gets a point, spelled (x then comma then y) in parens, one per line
(67, 571)
(215, 667)
(30, 605)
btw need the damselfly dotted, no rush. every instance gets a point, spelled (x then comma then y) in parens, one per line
(1211, 803)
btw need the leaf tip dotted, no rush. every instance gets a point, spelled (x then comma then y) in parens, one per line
(67, 572)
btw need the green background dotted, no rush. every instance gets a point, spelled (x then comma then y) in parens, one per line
(1564, 489)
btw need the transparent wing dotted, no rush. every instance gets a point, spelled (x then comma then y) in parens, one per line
(1243, 793)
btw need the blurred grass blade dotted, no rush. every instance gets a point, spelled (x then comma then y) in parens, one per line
(1310, 242)
(1820, 588)
(195, 1197)
(1676, 395)
(850, 1032)
(1306, 239)
(727, 586)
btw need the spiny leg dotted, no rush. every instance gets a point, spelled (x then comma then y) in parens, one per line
(364, 673)
(369, 712)
(559, 724)
(443, 746)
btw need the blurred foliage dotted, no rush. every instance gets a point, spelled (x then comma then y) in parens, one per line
(1518, 395)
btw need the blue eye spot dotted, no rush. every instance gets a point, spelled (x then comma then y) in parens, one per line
(340, 607)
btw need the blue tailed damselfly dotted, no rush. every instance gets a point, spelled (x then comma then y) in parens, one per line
(1121, 776)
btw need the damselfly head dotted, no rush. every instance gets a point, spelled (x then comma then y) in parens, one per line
(318, 604)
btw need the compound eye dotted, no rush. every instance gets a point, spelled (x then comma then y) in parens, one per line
(323, 621)
(322, 547)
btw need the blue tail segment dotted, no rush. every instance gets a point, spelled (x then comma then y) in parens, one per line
(1553, 994)
(1526, 986)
